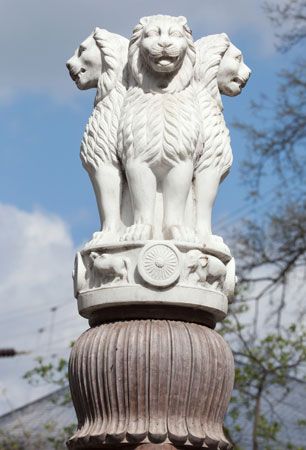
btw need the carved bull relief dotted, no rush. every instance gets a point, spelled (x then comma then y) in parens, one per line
(108, 269)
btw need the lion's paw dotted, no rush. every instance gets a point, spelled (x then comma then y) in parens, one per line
(216, 243)
(180, 233)
(138, 232)
(101, 237)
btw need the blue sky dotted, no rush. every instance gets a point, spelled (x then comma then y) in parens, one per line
(42, 115)
(47, 208)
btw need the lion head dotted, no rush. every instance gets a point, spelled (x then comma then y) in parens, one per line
(162, 54)
(220, 67)
(99, 62)
(233, 73)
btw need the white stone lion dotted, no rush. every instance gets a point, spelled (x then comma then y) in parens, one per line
(219, 70)
(160, 129)
(99, 62)
(167, 129)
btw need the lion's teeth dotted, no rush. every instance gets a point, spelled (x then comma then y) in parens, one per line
(164, 62)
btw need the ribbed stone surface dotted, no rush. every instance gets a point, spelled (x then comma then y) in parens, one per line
(152, 381)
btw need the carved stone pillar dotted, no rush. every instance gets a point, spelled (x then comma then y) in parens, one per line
(151, 371)
(150, 381)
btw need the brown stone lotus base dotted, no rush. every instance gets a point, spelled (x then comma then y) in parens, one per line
(150, 384)
(141, 446)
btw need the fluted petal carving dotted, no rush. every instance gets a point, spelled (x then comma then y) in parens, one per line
(137, 379)
(159, 380)
(150, 381)
(179, 383)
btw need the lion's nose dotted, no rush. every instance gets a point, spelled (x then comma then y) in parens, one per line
(71, 63)
(164, 44)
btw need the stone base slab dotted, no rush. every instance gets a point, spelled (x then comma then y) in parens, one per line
(128, 301)
(153, 273)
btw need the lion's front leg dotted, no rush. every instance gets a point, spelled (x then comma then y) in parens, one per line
(176, 187)
(107, 184)
(206, 185)
(142, 186)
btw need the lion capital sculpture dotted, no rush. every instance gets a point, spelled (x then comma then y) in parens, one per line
(158, 115)
(160, 130)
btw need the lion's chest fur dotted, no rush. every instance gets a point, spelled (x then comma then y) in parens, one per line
(99, 143)
(159, 127)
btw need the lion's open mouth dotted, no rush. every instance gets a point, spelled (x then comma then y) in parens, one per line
(76, 75)
(241, 82)
(165, 60)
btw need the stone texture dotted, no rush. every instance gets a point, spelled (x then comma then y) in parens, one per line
(150, 381)
(156, 149)
(158, 115)
(154, 280)
(153, 273)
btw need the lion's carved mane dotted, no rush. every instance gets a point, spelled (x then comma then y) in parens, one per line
(217, 152)
(99, 143)
(159, 124)
(210, 50)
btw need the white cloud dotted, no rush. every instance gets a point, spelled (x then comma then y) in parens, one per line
(37, 37)
(35, 276)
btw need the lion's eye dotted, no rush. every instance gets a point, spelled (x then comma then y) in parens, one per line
(175, 33)
(81, 50)
(151, 33)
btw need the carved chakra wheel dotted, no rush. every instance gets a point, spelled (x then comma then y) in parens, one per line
(144, 374)
(159, 264)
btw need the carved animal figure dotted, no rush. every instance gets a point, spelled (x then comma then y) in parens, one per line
(79, 274)
(230, 280)
(168, 128)
(99, 62)
(219, 69)
(107, 264)
(233, 73)
(160, 127)
(204, 269)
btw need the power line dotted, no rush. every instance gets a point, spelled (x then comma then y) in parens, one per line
(36, 308)
(39, 332)
(10, 352)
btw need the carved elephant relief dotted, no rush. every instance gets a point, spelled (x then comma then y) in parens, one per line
(209, 271)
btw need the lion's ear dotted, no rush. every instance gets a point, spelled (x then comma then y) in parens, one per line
(143, 21)
(182, 20)
(225, 36)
